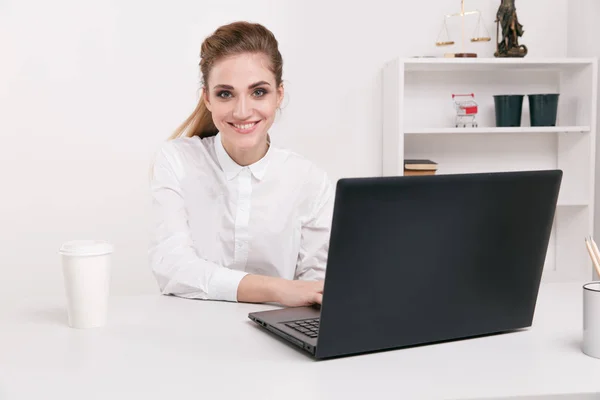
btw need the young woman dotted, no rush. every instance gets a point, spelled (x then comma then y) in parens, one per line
(235, 218)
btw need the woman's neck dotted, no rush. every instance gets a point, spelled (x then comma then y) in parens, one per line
(245, 157)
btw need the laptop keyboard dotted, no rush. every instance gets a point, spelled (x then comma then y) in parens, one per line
(309, 327)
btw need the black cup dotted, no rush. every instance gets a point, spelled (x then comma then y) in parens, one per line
(508, 109)
(543, 109)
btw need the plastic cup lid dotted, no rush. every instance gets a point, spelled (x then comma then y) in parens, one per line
(86, 248)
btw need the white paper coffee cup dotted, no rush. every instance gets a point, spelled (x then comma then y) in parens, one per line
(86, 268)
(591, 319)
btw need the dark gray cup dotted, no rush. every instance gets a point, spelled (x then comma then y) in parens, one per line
(508, 109)
(543, 109)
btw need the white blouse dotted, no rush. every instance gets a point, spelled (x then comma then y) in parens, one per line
(215, 221)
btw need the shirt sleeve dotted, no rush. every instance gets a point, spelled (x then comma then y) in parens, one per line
(314, 247)
(177, 267)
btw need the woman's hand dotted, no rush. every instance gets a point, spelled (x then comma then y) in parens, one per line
(299, 293)
(289, 293)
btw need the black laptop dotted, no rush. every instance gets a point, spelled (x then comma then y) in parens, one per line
(423, 259)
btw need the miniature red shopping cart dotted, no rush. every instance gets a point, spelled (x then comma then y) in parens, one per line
(466, 109)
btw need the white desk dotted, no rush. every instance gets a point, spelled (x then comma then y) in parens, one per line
(158, 347)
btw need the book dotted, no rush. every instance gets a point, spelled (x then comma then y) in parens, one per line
(408, 172)
(420, 165)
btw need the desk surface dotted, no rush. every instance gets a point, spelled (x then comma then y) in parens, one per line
(158, 347)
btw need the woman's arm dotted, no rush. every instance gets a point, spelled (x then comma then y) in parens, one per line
(177, 267)
(267, 289)
(314, 248)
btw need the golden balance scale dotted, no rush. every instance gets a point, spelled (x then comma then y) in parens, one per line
(477, 37)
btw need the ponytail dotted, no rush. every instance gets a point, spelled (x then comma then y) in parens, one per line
(199, 123)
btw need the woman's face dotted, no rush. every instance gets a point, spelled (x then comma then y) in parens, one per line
(243, 98)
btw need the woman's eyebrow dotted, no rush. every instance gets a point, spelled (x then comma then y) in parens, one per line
(258, 84)
(229, 87)
(222, 86)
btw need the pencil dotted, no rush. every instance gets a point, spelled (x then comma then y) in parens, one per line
(595, 248)
(593, 255)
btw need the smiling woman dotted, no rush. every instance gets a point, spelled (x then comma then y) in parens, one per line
(243, 112)
(235, 218)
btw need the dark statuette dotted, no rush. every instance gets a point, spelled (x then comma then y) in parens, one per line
(507, 45)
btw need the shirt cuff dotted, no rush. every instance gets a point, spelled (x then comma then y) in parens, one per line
(224, 284)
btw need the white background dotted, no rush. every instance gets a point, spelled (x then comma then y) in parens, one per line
(89, 90)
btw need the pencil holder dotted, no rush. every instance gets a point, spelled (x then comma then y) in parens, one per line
(591, 319)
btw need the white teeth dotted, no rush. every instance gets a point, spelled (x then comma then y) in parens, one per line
(245, 126)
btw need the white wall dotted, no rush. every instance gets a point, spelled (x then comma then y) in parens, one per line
(584, 32)
(88, 91)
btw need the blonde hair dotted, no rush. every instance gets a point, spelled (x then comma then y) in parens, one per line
(228, 40)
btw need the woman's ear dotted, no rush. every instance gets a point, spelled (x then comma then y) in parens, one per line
(280, 93)
(206, 100)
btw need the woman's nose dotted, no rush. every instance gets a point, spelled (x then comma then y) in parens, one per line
(242, 109)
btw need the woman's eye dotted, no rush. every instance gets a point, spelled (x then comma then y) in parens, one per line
(260, 92)
(225, 94)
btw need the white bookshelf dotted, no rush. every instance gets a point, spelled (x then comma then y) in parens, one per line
(419, 122)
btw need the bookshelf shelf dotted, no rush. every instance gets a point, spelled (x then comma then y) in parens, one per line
(419, 123)
(495, 64)
(486, 130)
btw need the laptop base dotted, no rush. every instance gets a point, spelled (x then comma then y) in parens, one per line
(275, 321)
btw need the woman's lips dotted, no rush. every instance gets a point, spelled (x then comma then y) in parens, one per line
(246, 127)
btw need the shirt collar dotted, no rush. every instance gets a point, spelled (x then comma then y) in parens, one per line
(232, 169)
